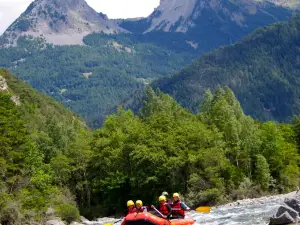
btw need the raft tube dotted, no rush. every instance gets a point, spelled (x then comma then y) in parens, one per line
(150, 219)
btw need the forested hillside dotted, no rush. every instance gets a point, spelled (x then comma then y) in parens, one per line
(104, 71)
(212, 157)
(49, 160)
(93, 79)
(262, 69)
(43, 151)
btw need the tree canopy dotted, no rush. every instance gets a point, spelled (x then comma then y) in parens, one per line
(50, 159)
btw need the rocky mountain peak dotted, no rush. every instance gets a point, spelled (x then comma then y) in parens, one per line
(180, 16)
(294, 4)
(60, 22)
(171, 12)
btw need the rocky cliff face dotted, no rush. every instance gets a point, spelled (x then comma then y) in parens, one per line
(3, 84)
(4, 88)
(294, 4)
(59, 22)
(181, 16)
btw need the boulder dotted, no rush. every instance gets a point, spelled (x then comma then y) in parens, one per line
(284, 218)
(293, 203)
(55, 222)
(284, 208)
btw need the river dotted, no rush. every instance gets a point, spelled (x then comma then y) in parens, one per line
(243, 212)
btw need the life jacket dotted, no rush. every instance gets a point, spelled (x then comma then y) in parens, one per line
(141, 209)
(164, 209)
(131, 210)
(177, 210)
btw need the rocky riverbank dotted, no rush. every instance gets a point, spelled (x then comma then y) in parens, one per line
(262, 200)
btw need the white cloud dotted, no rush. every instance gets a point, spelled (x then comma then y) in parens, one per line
(12, 9)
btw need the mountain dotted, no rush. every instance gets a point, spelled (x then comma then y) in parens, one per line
(293, 4)
(262, 69)
(207, 24)
(59, 22)
(109, 65)
(183, 16)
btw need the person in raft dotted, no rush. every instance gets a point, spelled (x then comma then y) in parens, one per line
(178, 207)
(169, 201)
(164, 208)
(139, 207)
(130, 207)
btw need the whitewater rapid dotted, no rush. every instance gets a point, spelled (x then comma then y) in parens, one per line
(243, 212)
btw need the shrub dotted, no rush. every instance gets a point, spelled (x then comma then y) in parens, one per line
(67, 212)
(10, 214)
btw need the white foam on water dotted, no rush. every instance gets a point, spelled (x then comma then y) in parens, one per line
(247, 212)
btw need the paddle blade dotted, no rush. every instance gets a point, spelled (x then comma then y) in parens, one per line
(203, 209)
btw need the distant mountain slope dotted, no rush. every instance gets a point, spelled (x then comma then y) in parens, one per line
(37, 109)
(228, 15)
(108, 65)
(207, 24)
(93, 79)
(59, 22)
(294, 4)
(262, 69)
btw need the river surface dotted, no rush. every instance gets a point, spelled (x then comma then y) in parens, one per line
(243, 212)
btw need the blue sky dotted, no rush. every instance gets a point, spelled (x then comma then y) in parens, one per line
(11, 9)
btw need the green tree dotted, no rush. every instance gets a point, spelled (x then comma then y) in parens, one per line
(262, 172)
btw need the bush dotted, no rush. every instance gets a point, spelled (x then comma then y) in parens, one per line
(67, 212)
(211, 196)
(246, 189)
(10, 214)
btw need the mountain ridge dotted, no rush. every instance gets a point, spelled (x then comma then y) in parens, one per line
(59, 22)
(262, 69)
(101, 73)
(181, 16)
(208, 24)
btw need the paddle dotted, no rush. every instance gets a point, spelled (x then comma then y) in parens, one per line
(155, 209)
(203, 209)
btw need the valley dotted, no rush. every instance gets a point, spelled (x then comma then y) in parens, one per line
(201, 98)
(124, 57)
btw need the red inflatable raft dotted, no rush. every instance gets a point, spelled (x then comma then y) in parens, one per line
(150, 219)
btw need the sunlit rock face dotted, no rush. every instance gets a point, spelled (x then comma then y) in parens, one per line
(59, 22)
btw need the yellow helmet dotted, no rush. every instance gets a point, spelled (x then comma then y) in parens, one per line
(130, 203)
(162, 198)
(175, 195)
(139, 202)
